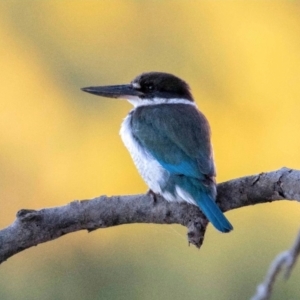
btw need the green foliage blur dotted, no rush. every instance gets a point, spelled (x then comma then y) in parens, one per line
(57, 144)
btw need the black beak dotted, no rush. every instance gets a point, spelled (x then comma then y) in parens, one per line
(113, 91)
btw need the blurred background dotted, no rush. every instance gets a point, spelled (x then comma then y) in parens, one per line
(58, 144)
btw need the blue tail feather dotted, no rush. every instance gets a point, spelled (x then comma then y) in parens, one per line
(213, 213)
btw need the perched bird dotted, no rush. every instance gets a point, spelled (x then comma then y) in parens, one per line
(169, 141)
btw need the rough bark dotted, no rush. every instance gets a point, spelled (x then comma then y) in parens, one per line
(33, 227)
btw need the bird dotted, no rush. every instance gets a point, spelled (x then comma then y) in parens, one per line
(169, 141)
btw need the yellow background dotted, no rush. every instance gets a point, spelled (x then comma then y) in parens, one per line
(57, 144)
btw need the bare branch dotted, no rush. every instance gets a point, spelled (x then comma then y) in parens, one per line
(33, 227)
(285, 259)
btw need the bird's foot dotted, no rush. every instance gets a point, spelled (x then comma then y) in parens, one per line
(152, 195)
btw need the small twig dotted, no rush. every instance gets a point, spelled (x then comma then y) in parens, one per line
(286, 259)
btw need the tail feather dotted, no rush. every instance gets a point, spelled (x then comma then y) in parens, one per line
(213, 213)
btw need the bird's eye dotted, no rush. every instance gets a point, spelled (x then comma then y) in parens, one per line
(149, 87)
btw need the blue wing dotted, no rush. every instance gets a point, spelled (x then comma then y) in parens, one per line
(181, 144)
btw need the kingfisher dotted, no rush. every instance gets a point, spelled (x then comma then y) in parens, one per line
(168, 139)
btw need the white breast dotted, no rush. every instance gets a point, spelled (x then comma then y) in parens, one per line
(151, 171)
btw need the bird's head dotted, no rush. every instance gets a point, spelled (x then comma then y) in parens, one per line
(146, 89)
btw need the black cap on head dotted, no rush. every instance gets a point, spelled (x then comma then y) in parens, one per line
(162, 85)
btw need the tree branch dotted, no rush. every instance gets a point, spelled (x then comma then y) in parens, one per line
(33, 227)
(285, 259)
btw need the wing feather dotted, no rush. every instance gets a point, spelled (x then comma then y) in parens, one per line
(178, 136)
